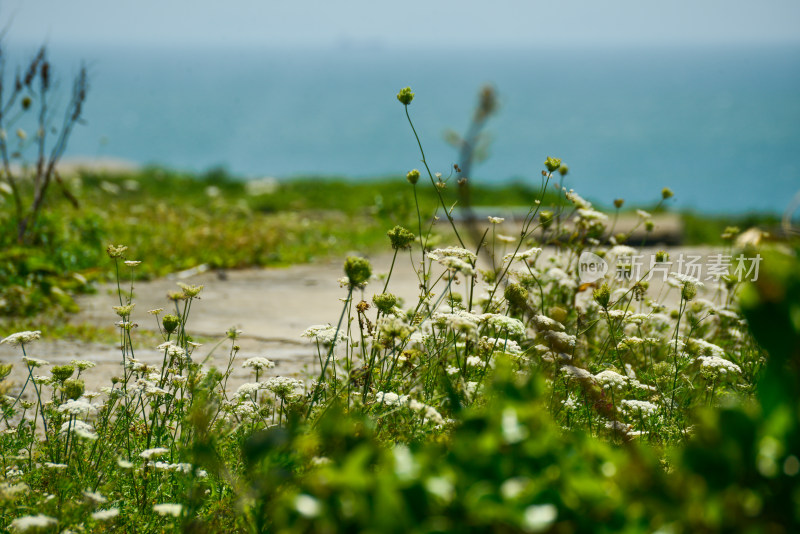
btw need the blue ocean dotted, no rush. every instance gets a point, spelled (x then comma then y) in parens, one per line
(720, 126)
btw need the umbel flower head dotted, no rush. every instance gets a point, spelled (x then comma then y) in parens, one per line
(358, 270)
(552, 164)
(116, 251)
(400, 237)
(385, 302)
(405, 96)
(602, 295)
(170, 323)
(22, 337)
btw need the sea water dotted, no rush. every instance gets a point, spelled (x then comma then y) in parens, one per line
(718, 125)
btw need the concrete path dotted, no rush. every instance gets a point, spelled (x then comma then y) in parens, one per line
(271, 306)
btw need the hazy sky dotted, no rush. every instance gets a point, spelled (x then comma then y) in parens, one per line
(367, 23)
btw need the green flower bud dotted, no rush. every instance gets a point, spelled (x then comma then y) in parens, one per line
(649, 225)
(563, 170)
(358, 270)
(385, 302)
(689, 291)
(666, 193)
(26, 103)
(552, 164)
(62, 372)
(516, 295)
(170, 323)
(619, 202)
(413, 176)
(405, 96)
(116, 251)
(5, 370)
(546, 219)
(602, 295)
(400, 237)
(73, 388)
(662, 256)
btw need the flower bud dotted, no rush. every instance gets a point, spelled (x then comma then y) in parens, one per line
(26, 103)
(546, 219)
(516, 295)
(116, 251)
(385, 302)
(400, 237)
(413, 177)
(62, 372)
(358, 270)
(602, 295)
(170, 323)
(73, 388)
(649, 225)
(552, 164)
(689, 291)
(666, 193)
(619, 202)
(405, 96)
(662, 256)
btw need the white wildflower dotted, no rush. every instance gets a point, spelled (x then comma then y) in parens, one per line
(705, 348)
(94, 496)
(51, 465)
(83, 365)
(456, 265)
(149, 453)
(21, 338)
(248, 390)
(610, 379)
(577, 200)
(620, 251)
(502, 323)
(79, 428)
(105, 515)
(474, 361)
(390, 398)
(77, 407)
(719, 365)
(635, 407)
(679, 279)
(521, 256)
(258, 363)
(452, 252)
(285, 388)
(34, 362)
(543, 322)
(168, 509)
(307, 505)
(24, 523)
(591, 215)
(325, 334)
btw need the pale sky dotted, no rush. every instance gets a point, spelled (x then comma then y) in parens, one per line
(400, 23)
